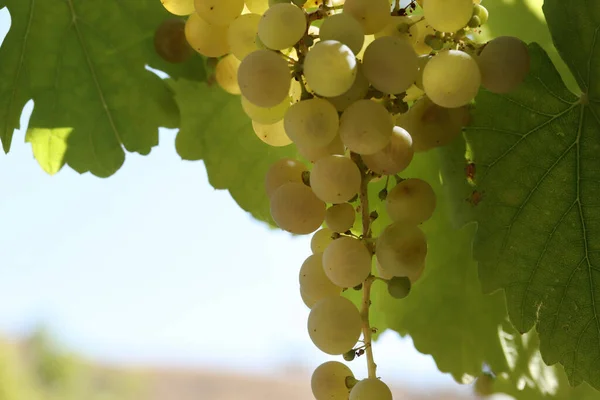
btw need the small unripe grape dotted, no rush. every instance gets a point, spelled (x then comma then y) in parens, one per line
(399, 287)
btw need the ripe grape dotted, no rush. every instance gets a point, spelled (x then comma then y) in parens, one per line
(401, 249)
(226, 74)
(265, 115)
(423, 60)
(170, 42)
(257, 6)
(264, 78)
(285, 170)
(242, 35)
(320, 240)
(371, 389)
(314, 154)
(344, 29)
(335, 179)
(393, 158)
(328, 381)
(296, 209)
(411, 201)
(340, 217)
(366, 127)
(373, 15)
(347, 262)
(179, 7)
(357, 91)
(208, 40)
(282, 26)
(313, 282)
(451, 78)
(307, 301)
(399, 287)
(272, 134)
(334, 325)
(504, 62)
(313, 122)
(390, 64)
(330, 68)
(219, 12)
(448, 15)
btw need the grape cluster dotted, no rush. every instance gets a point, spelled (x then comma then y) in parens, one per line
(358, 87)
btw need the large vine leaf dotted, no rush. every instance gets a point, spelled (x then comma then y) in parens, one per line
(83, 64)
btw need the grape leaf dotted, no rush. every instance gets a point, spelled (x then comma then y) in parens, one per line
(83, 64)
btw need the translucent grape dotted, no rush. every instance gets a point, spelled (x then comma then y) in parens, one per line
(393, 158)
(451, 78)
(264, 78)
(418, 32)
(366, 127)
(296, 209)
(265, 115)
(448, 15)
(390, 64)
(357, 91)
(347, 262)
(411, 201)
(423, 60)
(373, 15)
(330, 68)
(242, 35)
(328, 381)
(179, 7)
(320, 240)
(313, 154)
(272, 134)
(257, 6)
(308, 302)
(170, 42)
(399, 287)
(340, 217)
(398, 26)
(282, 26)
(345, 29)
(219, 12)
(371, 389)
(334, 325)
(504, 62)
(285, 170)
(313, 122)
(335, 179)
(208, 40)
(481, 12)
(313, 282)
(401, 249)
(226, 74)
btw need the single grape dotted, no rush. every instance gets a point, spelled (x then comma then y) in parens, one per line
(282, 26)
(330, 68)
(504, 62)
(371, 389)
(399, 287)
(170, 42)
(264, 78)
(390, 64)
(296, 209)
(285, 170)
(308, 302)
(484, 385)
(219, 12)
(328, 381)
(226, 74)
(334, 325)
(481, 12)
(340, 217)
(393, 158)
(366, 127)
(373, 15)
(265, 115)
(257, 6)
(344, 29)
(418, 32)
(335, 179)
(272, 134)
(423, 60)
(448, 15)
(320, 240)
(314, 154)
(208, 40)
(451, 78)
(357, 91)
(411, 201)
(313, 122)
(179, 7)
(401, 249)
(241, 35)
(313, 282)
(347, 262)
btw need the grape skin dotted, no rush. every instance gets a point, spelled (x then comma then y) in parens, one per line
(264, 78)
(271, 134)
(179, 7)
(313, 122)
(285, 170)
(366, 127)
(314, 154)
(357, 91)
(373, 15)
(334, 325)
(401, 249)
(344, 29)
(370, 389)
(448, 15)
(340, 217)
(296, 209)
(265, 115)
(347, 262)
(226, 74)
(257, 6)
(393, 158)
(335, 179)
(411, 201)
(320, 240)
(313, 282)
(282, 26)
(504, 62)
(390, 64)
(219, 12)
(208, 40)
(241, 35)
(170, 42)
(328, 381)
(330, 68)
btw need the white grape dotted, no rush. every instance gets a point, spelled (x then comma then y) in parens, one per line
(257, 6)
(366, 127)
(371, 389)
(241, 35)
(314, 154)
(398, 26)
(320, 240)
(285, 170)
(411, 201)
(335, 179)
(282, 26)
(296, 209)
(179, 7)
(334, 325)
(504, 62)
(208, 40)
(219, 12)
(357, 91)
(226, 74)
(264, 78)
(328, 381)
(373, 15)
(308, 302)
(418, 32)
(393, 158)
(448, 15)
(313, 282)
(265, 115)
(401, 249)
(272, 134)
(390, 64)
(347, 262)
(330, 68)
(340, 217)
(312, 122)
(345, 29)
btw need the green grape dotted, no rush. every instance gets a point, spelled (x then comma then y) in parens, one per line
(264, 78)
(366, 127)
(313, 282)
(242, 35)
(226, 74)
(308, 302)
(340, 217)
(399, 26)
(349, 356)
(390, 64)
(265, 115)
(219, 12)
(448, 15)
(399, 287)
(411, 201)
(296, 209)
(451, 78)
(373, 15)
(314, 154)
(347, 262)
(272, 134)
(179, 7)
(419, 31)
(423, 60)
(504, 62)
(481, 12)
(257, 6)
(393, 158)
(484, 385)
(330, 68)
(328, 381)
(321, 240)
(344, 29)
(334, 325)
(285, 170)
(335, 179)
(273, 2)
(371, 388)
(357, 91)
(401, 249)
(170, 42)
(282, 26)
(208, 40)
(313, 122)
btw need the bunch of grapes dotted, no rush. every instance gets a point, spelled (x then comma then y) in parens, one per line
(359, 87)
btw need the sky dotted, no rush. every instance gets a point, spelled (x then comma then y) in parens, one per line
(153, 265)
